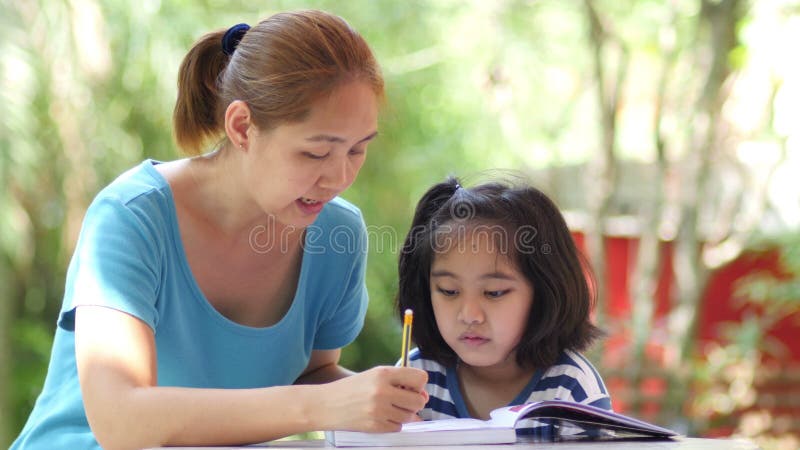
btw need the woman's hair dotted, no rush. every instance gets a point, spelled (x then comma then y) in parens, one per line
(525, 226)
(279, 68)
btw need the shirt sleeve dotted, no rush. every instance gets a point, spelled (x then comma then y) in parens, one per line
(588, 386)
(343, 324)
(115, 263)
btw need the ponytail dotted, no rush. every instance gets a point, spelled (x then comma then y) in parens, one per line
(414, 269)
(197, 118)
(423, 223)
(433, 200)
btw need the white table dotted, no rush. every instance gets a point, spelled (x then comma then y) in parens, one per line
(674, 444)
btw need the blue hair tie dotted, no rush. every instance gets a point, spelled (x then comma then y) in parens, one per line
(232, 37)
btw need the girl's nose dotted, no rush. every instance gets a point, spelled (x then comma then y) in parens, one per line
(471, 311)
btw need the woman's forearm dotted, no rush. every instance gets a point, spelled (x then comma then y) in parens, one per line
(168, 416)
(324, 374)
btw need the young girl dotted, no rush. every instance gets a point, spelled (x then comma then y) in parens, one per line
(193, 313)
(501, 303)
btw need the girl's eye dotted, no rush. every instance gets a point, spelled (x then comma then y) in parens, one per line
(447, 292)
(315, 155)
(496, 294)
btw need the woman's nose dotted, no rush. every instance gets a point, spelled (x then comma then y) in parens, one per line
(338, 175)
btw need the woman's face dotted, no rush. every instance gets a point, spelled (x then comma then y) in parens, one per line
(293, 170)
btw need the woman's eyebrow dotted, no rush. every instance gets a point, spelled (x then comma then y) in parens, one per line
(325, 138)
(369, 137)
(337, 139)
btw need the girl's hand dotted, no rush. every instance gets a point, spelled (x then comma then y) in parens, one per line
(378, 400)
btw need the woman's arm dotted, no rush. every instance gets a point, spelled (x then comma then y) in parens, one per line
(116, 358)
(323, 367)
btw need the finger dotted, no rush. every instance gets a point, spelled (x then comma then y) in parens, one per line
(425, 396)
(407, 376)
(409, 401)
(384, 425)
(423, 393)
(410, 378)
(415, 418)
(419, 377)
(391, 418)
(400, 417)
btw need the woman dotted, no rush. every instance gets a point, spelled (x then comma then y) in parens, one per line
(207, 297)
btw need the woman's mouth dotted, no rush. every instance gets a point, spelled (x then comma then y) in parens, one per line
(309, 205)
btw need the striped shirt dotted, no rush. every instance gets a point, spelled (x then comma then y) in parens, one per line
(571, 378)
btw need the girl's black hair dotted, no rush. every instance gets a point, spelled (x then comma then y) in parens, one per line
(533, 234)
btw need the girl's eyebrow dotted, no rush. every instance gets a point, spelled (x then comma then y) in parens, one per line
(442, 273)
(498, 275)
(490, 275)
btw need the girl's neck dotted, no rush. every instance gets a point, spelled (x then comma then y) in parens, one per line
(486, 388)
(507, 372)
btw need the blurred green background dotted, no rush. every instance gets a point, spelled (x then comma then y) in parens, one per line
(664, 121)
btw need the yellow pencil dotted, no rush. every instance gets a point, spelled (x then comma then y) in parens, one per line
(408, 319)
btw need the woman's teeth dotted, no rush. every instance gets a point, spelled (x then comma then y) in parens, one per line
(308, 201)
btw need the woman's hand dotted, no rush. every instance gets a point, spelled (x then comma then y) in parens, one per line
(380, 399)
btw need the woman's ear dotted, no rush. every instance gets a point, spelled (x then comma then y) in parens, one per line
(237, 124)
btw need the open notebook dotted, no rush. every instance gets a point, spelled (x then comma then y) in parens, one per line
(571, 420)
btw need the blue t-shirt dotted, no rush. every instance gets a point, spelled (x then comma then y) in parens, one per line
(572, 378)
(130, 257)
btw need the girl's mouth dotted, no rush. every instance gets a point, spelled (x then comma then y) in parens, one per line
(472, 339)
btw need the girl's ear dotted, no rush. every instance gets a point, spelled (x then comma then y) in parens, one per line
(237, 124)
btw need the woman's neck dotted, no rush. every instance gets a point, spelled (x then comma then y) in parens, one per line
(207, 188)
(218, 192)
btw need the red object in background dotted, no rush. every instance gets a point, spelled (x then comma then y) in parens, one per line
(777, 386)
(718, 306)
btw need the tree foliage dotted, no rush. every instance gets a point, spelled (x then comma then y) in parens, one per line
(655, 103)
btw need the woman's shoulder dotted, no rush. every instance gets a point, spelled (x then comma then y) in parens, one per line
(341, 211)
(138, 198)
(339, 223)
(138, 181)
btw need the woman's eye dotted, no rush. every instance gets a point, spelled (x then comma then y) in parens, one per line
(447, 292)
(496, 294)
(315, 155)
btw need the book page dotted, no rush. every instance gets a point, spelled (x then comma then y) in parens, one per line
(434, 432)
(449, 424)
(576, 413)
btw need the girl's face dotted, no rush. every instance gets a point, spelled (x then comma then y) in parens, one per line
(481, 301)
(293, 170)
